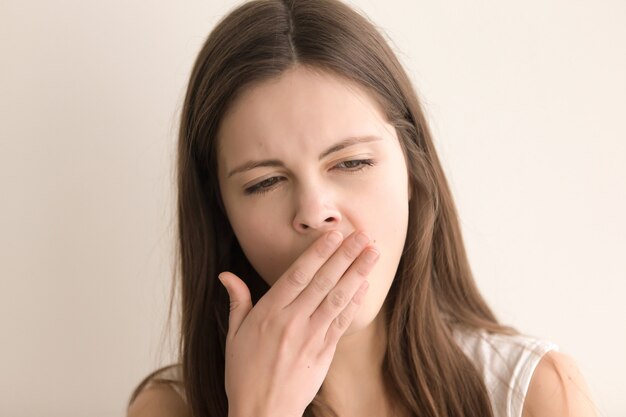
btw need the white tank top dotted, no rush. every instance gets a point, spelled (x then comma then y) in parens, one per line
(506, 364)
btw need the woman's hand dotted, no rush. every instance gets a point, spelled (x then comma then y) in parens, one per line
(279, 351)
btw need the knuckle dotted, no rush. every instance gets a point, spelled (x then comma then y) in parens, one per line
(342, 321)
(292, 336)
(290, 329)
(362, 270)
(350, 252)
(234, 305)
(269, 323)
(297, 278)
(323, 284)
(338, 299)
(284, 343)
(265, 325)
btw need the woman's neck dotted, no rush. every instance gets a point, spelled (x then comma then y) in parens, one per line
(354, 385)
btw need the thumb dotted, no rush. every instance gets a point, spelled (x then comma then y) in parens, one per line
(240, 300)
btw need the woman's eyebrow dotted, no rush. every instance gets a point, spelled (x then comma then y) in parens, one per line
(348, 142)
(342, 144)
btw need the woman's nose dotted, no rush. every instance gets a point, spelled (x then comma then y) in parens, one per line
(316, 211)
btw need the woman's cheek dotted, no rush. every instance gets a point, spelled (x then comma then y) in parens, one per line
(263, 245)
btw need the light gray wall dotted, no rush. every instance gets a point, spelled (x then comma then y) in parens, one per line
(526, 102)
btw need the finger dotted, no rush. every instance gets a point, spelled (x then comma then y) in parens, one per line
(327, 277)
(240, 301)
(341, 323)
(339, 297)
(300, 273)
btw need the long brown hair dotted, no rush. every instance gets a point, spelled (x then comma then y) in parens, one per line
(433, 291)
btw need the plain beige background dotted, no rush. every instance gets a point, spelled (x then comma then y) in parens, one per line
(526, 101)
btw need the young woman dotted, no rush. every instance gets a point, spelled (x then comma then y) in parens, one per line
(309, 185)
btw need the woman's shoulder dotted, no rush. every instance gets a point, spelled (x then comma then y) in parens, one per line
(160, 394)
(558, 389)
(506, 363)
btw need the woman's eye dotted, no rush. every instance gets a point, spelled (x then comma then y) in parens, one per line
(270, 183)
(355, 164)
(263, 186)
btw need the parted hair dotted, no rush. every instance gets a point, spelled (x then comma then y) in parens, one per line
(426, 373)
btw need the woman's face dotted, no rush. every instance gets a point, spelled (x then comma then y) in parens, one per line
(306, 153)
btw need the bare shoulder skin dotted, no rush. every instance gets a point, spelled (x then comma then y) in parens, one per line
(158, 400)
(558, 389)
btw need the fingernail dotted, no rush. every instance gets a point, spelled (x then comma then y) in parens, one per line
(334, 237)
(221, 280)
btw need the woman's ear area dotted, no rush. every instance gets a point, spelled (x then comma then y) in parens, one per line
(558, 389)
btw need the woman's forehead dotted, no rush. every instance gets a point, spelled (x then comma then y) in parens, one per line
(302, 108)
